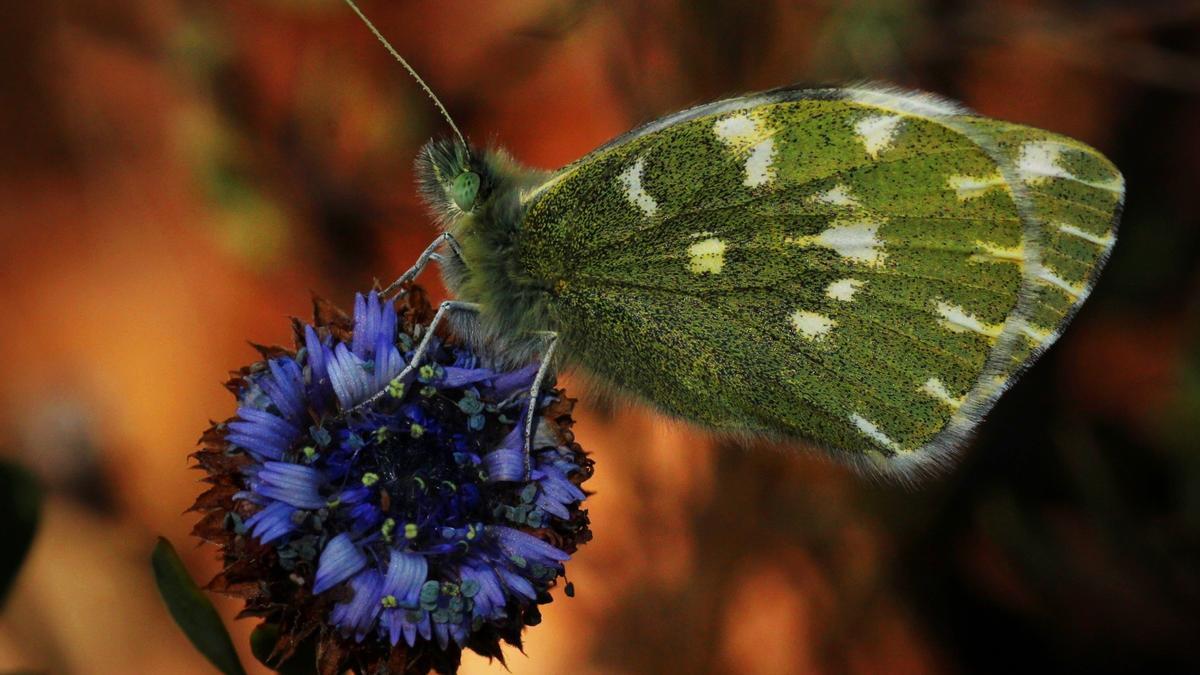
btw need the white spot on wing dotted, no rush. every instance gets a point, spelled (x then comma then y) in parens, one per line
(872, 432)
(936, 389)
(1037, 335)
(995, 252)
(838, 195)
(631, 181)
(1105, 241)
(856, 241)
(758, 166)
(959, 320)
(843, 289)
(1039, 160)
(745, 134)
(811, 325)
(859, 241)
(737, 129)
(877, 132)
(970, 187)
(707, 256)
(1048, 276)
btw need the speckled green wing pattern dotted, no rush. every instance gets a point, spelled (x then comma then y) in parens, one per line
(862, 268)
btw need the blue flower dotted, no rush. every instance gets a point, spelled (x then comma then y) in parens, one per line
(403, 513)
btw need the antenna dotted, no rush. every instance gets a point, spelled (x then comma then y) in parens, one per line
(441, 108)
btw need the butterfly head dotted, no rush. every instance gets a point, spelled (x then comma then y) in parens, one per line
(454, 180)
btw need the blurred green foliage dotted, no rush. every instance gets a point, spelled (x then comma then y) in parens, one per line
(192, 610)
(20, 511)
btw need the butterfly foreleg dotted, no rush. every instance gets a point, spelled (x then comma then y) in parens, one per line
(444, 308)
(423, 346)
(551, 339)
(430, 253)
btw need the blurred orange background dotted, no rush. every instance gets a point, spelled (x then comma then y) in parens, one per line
(178, 176)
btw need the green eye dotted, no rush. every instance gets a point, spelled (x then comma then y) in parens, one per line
(464, 189)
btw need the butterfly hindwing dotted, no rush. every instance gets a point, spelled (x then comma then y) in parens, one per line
(859, 268)
(1072, 198)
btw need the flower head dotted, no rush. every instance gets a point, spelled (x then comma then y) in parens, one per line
(392, 513)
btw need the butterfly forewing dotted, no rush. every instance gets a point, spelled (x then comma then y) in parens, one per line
(865, 271)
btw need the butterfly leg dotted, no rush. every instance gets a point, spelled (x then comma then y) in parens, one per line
(535, 390)
(423, 345)
(430, 253)
(443, 309)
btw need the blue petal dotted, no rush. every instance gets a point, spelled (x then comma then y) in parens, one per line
(257, 447)
(405, 574)
(285, 387)
(364, 516)
(319, 388)
(261, 434)
(552, 506)
(461, 377)
(398, 621)
(348, 375)
(358, 615)
(518, 543)
(272, 522)
(516, 583)
(340, 560)
(556, 484)
(392, 621)
(387, 319)
(265, 435)
(507, 461)
(507, 384)
(253, 417)
(490, 600)
(361, 317)
(388, 363)
(295, 484)
(354, 495)
(442, 632)
(374, 320)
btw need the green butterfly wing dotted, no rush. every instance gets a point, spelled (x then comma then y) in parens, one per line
(861, 268)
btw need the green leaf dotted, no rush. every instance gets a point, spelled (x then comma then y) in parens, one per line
(192, 610)
(302, 662)
(20, 504)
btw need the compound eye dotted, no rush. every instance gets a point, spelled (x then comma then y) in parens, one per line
(464, 190)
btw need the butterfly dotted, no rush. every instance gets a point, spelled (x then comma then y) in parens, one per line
(864, 269)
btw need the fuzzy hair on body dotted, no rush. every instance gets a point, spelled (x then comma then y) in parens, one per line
(512, 304)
